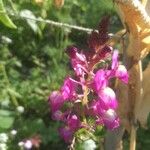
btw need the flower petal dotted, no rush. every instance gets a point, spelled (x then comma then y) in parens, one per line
(100, 80)
(68, 89)
(108, 98)
(55, 100)
(122, 73)
(114, 60)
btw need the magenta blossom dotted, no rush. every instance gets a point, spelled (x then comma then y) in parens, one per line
(66, 133)
(108, 97)
(93, 108)
(100, 80)
(89, 94)
(107, 114)
(78, 61)
(73, 123)
(122, 73)
(68, 90)
(58, 115)
(110, 119)
(115, 62)
(118, 71)
(105, 52)
(55, 100)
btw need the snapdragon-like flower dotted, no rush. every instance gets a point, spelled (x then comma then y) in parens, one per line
(110, 119)
(108, 97)
(57, 115)
(66, 133)
(100, 81)
(78, 61)
(90, 93)
(73, 123)
(122, 73)
(119, 71)
(55, 100)
(68, 90)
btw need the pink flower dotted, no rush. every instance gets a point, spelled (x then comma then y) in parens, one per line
(68, 89)
(94, 86)
(108, 98)
(115, 62)
(66, 134)
(107, 115)
(106, 51)
(71, 51)
(122, 73)
(118, 71)
(93, 108)
(57, 115)
(55, 100)
(73, 123)
(78, 61)
(110, 119)
(100, 80)
(105, 107)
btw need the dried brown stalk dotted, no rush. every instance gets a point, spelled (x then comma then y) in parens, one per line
(136, 21)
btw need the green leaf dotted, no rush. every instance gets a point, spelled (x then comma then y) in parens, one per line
(13, 92)
(6, 119)
(32, 23)
(4, 17)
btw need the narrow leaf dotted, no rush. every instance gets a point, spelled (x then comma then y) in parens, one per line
(4, 17)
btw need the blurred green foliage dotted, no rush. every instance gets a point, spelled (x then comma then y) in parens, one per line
(33, 63)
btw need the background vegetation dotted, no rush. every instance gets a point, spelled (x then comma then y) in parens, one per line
(33, 63)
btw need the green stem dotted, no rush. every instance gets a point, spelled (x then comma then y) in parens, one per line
(13, 98)
(12, 6)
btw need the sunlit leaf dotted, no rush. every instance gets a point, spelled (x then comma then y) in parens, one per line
(13, 92)
(4, 18)
(31, 21)
(6, 119)
(144, 109)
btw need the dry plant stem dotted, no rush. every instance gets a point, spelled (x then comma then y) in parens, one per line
(13, 98)
(113, 139)
(135, 95)
(139, 38)
(85, 100)
(144, 2)
(133, 137)
(72, 145)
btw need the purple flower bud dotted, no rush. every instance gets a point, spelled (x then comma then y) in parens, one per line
(118, 71)
(122, 73)
(71, 51)
(93, 108)
(55, 101)
(110, 119)
(99, 121)
(73, 123)
(79, 64)
(108, 98)
(106, 51)
(100, 80)
(66, 134)
(68, 89)
(115, 60)
(57, 115)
